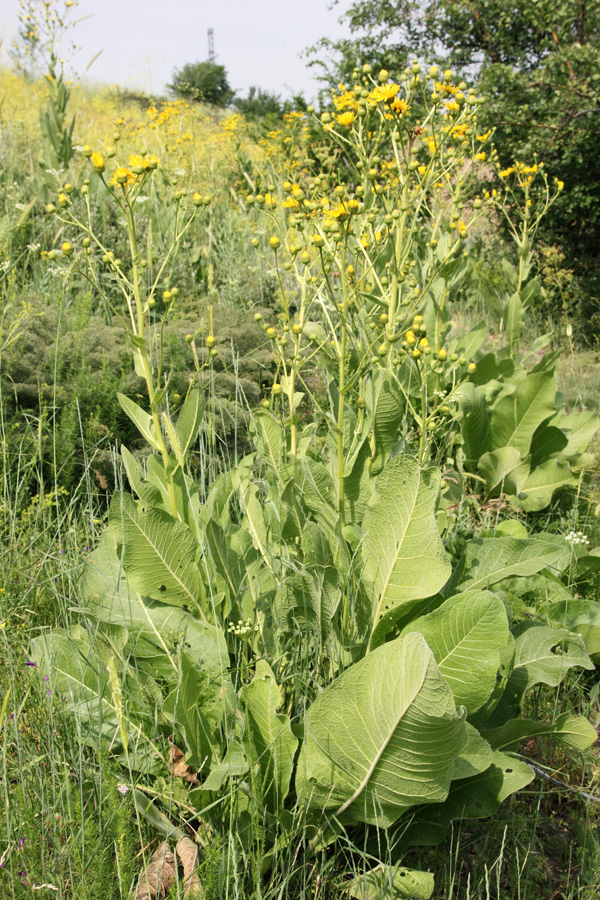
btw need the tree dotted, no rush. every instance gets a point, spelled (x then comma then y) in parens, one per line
(259, 104)
(203, 82)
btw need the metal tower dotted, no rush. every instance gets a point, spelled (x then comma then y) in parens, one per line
(211, 46)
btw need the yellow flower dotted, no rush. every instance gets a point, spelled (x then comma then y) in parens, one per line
(346, 118)
(422, 170)
(451, 105)
(383, 93)
(97, 161)
(148, 163)
(122, 176)
(559, 184)
(445, 86)
(345, 101)
(480, 157)
(338, 212)
(504, 173)
(400, 106)
(290, 203)
(411, 337)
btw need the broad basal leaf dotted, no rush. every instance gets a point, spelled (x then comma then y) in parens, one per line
(516, 417)
(153, 627)
(486, 561)
(268, 738)
(474, 798)
(573, 731)
(158, 553)
(391, 883)
(382, 737)
(404, 559)
(466, 635)
(540, 485)
(543, 655)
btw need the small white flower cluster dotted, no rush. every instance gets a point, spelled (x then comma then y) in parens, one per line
(241, 628)
(576, 537)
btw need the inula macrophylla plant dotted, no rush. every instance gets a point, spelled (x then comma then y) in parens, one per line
(322, 664)
(368, 268)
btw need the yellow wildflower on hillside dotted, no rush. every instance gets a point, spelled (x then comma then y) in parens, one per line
(97, 160)
(346, 118)
(122, 176)
(346, 100)
(400, 106)
(383, 93)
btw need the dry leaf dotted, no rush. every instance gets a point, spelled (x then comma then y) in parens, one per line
(187, 851)
(159, 874)
(177, 765)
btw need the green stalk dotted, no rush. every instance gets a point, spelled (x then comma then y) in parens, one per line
(143, 353)
(341, 386)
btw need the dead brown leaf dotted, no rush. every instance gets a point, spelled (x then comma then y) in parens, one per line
(178, 767)
(159, 875)
(187, 851)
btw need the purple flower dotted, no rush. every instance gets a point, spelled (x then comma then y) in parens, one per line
(31, 663)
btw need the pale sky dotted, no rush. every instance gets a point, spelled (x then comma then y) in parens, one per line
(258, 41)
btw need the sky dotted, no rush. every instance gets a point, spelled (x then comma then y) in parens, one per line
(258, 41)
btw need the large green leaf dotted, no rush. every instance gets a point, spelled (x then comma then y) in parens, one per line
(141, 419)
(189, 420)
(475, 423)
(404, 559)
(382, 737)
(153, 627)
(269, 440)
(475, 757)
(486, 561)
(579, 429)
(474, 798)
(158, 553)
(385, 400)
(79, 678)
(573, 731)
(516, 417)
(466, 635)
(268, 739)
(391, 883)
(189, 715)
(497, 466)
(543, 655)
(542, 482)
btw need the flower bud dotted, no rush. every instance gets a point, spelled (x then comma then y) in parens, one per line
(67, 249)
(210, 341)
(87, 151)
(51, 208)
(274, 242)
(86, 242)
(383, 75)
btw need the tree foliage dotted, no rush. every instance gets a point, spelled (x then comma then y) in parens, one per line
(202, 81)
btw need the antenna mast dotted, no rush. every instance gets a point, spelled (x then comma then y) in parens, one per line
(211, 46)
